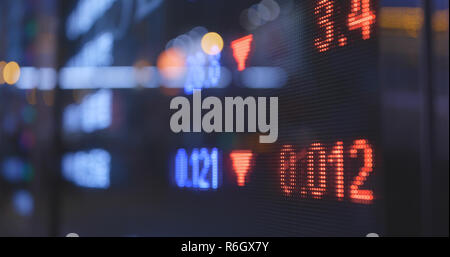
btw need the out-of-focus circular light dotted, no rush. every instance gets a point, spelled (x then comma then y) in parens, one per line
(2, 65)
(253, 16)
(171, 63)
(11, 73)
(212, 43)
(23, 203)
(273, 7)
(263, 12)
(245, 22)
(197, 33)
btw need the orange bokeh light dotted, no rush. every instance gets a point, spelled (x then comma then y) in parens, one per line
(11, 73)
(2, 65)
(172, 63)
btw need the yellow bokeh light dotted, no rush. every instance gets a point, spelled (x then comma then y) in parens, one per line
(11, 73)
(2, 65)
(212, 43)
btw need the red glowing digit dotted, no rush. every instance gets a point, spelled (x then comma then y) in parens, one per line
(337, 158)
(241, 164)
(342, 40)
(356, 194)
(316, 184)
(324, 12)
(241, 48)
(288, 163)
(361, 17)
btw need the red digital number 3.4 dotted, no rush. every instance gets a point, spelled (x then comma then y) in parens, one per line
(361, 16)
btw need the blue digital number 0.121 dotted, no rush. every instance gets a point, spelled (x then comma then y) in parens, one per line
(199, 170)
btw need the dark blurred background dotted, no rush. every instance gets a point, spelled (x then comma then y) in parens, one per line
(85, 142)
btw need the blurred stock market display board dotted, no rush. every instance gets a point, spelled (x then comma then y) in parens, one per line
(119, 119)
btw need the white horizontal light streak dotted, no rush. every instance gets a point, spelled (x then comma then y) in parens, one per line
(128, 77)
(108, 77)
(40, 78)
(264, 77)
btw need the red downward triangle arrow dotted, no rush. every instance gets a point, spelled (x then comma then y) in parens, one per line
(241, 164)
(241, 48)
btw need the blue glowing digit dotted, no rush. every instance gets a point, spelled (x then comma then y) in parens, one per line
(181, 168)
(214, 170)
(213, 71)
(188, 86)
(203, 181)
(195, 167)
(203, 71)
(199, 70)
(196, 74)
